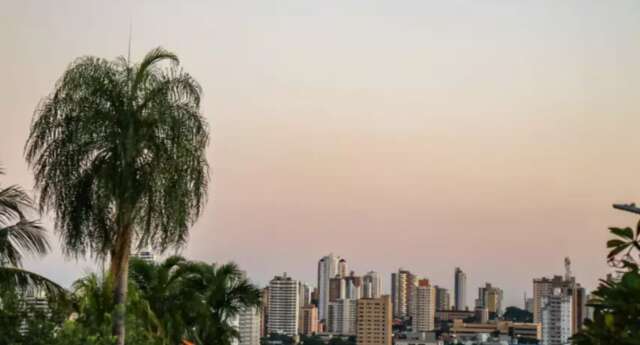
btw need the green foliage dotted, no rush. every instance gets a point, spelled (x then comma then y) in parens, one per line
(194, 300)
(516, 314)
(617, 300)
(311, 340)
(120, 147)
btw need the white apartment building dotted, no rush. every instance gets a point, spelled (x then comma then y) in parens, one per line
(283, 305)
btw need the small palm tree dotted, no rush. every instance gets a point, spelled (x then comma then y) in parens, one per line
(18, 236)
(118, 152)
(195, 300)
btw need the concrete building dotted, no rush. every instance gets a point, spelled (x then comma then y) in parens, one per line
(490, 297)
(373, 325)
(283, 315)
(249, 326)
(350, 287)
(424, 300)
(543, 287)
(371, 285)
(264, 314)
(450, 315)
(460, 290)
(555, 315)
(419, 338)
(512, 329)
(402, 286)
(342, 317)
(443, 299)
(309, 320)
(329, 267)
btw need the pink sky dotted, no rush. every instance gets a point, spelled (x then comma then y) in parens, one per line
(488, 135)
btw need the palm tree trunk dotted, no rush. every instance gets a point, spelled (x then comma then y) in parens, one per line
(120, 274)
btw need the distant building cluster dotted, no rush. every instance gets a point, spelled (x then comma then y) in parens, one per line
(416, 312)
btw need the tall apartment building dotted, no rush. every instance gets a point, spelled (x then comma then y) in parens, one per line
(490, 297)
(329, 267)
(543, 287)
(309, 320)
(460, 289)
(350, 287)
(556, 317)
(249, 326)
(424, 300)
(264, 314)
(402, 285)
(371, 285)
(373, 325)
(342, 317)
(304, 294)
(443, 299)
(283, 305)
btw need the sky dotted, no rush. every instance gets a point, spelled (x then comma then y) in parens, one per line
(489, 135)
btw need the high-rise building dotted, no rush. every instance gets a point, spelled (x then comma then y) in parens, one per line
(309, 320)
(423, 319)
(556, 316)
(304, 294)
(567, 284)
(460, 284)
(283, 305)
(342, 317)
(402, 286)
(345, 287)
(490, 297)
(371, 285)
(264, 315)
(373, 325)
(329, 267)
(249, 326)
(443, 299)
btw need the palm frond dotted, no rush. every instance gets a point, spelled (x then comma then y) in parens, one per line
(22, 237)
(13, 277)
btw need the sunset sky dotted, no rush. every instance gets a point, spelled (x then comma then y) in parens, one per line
(490, 135)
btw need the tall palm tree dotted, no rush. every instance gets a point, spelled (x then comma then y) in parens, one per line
(18, 236)
(118, 152)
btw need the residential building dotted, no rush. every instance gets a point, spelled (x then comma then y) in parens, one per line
(490, 297)
(460, 289)
(402, 286)
(283, 306)
(371, 285)
(329, 267)
(543, 287)
(423, 319)
(556, 318)
(443, 299)
(264, 314)
(249, 326)
(373, 325)
(309, 320)
(419, 338)
(342, 317)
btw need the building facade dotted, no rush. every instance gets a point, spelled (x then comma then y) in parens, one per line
(460, 289)
(249, 326)
(342, 317)
(424, 299)
(373, 325)
(443, 299)
(555, 315)
(309, 320)
(372, 285)
(490, 297)
(329, 267)
(283, 315)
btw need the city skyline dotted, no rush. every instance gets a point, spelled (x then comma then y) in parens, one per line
(425, 136)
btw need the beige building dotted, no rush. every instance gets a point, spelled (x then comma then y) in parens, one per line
(424, 300)
(374, 316)
(513, 329)
(309, 319)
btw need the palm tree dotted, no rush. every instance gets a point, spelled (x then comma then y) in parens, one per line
(18, 236)
(225, 292)
(194, 300)
(118, 152)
